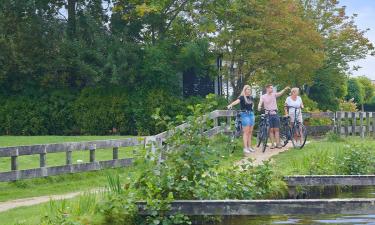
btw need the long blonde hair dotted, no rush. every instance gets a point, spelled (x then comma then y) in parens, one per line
(243, 93)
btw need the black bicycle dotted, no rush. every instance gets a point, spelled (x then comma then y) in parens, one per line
(263, 131)
(295, 132)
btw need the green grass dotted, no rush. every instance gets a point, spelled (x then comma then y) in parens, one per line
(33, 140)
(318, 157)
(29, 215)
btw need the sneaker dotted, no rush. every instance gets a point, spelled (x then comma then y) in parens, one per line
(272, 146)
(279, 146)
(246, 151)
(251, 149)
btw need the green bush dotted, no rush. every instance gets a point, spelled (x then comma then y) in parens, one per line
(93, 111)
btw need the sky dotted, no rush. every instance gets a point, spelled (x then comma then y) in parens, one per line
(365, 19)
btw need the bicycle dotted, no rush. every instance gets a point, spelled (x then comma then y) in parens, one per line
(293, 131)
(263, 131)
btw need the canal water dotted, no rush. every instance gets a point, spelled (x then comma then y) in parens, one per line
(363, 192)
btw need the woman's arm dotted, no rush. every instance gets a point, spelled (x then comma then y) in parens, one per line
(302, 106)
(260, 104)
(286, 109)
(233, 104)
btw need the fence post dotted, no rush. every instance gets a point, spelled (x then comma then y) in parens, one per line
(362, 133)
(228, 122)
(338, 122)
(367, 124)
(115, 152)
(354, 123)
(42, 158)
(216, 120)
(14, 161)
(69, 157)
(92, 153)
(346, 115)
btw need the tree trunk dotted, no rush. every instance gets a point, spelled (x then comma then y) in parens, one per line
(72, 18)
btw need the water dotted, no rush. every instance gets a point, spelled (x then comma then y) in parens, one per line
(359, 192)
(315, 219)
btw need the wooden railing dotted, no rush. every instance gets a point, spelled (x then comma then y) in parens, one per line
(355, 123)
(342, 122)
(42, 150)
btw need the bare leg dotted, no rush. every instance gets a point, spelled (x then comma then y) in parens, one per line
(272, 139)
(250, 135)
(277, 135)
(245, 136)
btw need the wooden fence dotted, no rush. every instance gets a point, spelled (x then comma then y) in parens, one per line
(342, 122)
(355, 123)
(91, 146)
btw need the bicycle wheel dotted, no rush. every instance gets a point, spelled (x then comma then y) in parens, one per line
(299, 135)
(265, 138)
(259, 135)
(304, 133)
(259, 138)
(284, 135)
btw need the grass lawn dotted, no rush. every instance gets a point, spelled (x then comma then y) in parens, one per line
(29, 215)
(34, 140)
(326, 157)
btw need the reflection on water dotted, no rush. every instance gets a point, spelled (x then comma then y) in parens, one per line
(316, 219)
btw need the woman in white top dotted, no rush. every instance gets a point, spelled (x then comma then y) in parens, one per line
(293, 105)
(293, 108)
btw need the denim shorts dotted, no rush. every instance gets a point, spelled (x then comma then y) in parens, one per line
(247, 119)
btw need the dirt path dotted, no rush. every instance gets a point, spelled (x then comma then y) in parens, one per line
(258, 156)
(4, 206)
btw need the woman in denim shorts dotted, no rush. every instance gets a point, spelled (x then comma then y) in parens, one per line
(246, 102)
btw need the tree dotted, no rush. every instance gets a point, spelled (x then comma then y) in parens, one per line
(267, 41)
(355, 91)
(368, 87)
(343, 42)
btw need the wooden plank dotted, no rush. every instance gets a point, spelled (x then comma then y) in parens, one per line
(43, 159)
(338, 119)
(329, 115)
(14, 160)
(354, 122)
(69, 157)
(57, 170)
(330, 180)
(115, 153)
(267, 207)
(361, 128)
(73, 146)
(92, 153)
(368, 116)
(346, 124)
